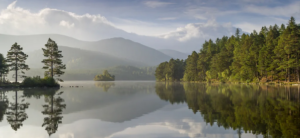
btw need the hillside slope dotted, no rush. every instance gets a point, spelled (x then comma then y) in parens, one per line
(174, 54)
(116, 47)
(76, 58)
(127, 49)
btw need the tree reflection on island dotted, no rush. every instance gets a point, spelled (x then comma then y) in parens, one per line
(272, 111)
(53, 109)
(3, 104)
(15, 113)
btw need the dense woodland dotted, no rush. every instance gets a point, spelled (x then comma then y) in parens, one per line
(269, 55)
(271, 111)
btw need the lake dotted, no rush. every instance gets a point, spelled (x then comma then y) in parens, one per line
(131, 109)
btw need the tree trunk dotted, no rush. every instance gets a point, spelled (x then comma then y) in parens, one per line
(286, 74)
(289, 70)
(16, 71)
(297, 69)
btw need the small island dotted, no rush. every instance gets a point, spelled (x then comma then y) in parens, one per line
(104, 77)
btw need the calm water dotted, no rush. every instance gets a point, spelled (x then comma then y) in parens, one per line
(151, 110)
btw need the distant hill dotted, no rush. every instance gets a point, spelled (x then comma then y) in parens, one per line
(127, 49)
(174, 54)
(116, 47)
(76, 59)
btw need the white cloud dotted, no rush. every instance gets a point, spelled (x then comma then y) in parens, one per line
(249, 27)
(285, 11)
(204, 13)
(66, 24)
(18, 21)
(208, 30)
(156, 4)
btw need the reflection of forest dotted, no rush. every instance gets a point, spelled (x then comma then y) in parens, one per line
(273, 111)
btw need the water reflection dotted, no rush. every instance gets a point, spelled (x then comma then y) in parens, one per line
(121, 109)
(272, 111)
(53, 109)
(16, 113)
(104, 85)
(3, 104)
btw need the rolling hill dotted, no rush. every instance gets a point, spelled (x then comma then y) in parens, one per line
(125, 49)
(76, 58)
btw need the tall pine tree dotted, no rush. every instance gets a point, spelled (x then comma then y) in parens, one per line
(16, 60)
(53, 62)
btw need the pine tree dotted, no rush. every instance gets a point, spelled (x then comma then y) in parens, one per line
(53, 62)
(294, 44)
(16, 60)
(3, 68)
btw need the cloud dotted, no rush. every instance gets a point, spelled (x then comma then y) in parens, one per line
(66, 24)
(167, 18)
(18, 21)
(209, 30)
(156, 4)
(285, 11)
(205, 13)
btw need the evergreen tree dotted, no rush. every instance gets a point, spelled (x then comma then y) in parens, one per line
(16, 60)
(191, 71)
(53, 62)
(3, 68)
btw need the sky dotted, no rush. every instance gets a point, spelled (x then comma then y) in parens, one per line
(173, 24)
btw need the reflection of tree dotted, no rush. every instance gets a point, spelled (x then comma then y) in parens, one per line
(16, 112)
(104, 85)
(53, 109)
(272, 111)
(3, 104)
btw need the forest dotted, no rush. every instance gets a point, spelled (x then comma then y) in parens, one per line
(271, 55)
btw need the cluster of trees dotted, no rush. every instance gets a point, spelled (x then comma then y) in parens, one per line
(104, 77)
(271, 111)
(170, 71)
(269, 55)
(16, 61)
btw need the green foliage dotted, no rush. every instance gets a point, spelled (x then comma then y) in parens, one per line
(273, 53)
(53, 62)
(16, 60)
(104, 77)
(170, 71)
(39, 82)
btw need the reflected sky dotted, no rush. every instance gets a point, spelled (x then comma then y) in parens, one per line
(118, 110)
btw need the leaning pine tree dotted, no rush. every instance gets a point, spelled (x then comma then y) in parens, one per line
(16, 60)
(53, 62)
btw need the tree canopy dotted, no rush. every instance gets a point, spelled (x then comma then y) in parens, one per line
(272, 54)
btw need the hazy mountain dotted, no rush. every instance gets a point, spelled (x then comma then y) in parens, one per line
(128, 49)
(174, 54)
(116, 47)
(76, 58)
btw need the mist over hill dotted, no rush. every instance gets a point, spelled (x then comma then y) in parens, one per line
(116, 50)
(75, 58)
(127, 49)
(174, 54)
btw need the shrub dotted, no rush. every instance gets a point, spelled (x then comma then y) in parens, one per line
(39, 82)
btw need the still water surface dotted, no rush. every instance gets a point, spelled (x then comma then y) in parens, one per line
(151, 110)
